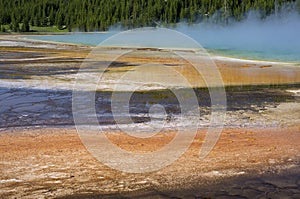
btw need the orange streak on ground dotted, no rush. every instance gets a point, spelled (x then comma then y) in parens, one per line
(32, 156)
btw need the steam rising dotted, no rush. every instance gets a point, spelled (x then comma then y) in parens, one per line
(275, 37)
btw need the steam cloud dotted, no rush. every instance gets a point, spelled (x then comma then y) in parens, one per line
(275, 37)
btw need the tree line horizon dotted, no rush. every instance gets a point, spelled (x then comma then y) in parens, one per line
(99, 15)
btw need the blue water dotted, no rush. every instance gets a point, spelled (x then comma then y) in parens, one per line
(91, 39)
(245, 47)
(283, 56)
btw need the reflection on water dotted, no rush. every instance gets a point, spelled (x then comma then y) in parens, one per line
(32, 107)
(26, 107)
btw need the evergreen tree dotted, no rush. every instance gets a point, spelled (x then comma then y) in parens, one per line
(14, 26)
(3, 28)
(51, 17)
(25, 26)
(44, 21)
(90, 15)
(59, 20)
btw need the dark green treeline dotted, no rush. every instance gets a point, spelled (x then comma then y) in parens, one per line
(99, 15)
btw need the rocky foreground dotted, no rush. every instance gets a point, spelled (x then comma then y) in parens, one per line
(51, 163)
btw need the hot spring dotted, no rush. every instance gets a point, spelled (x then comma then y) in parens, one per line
(275, 38)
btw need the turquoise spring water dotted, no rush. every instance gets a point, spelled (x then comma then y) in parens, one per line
(261, 48)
